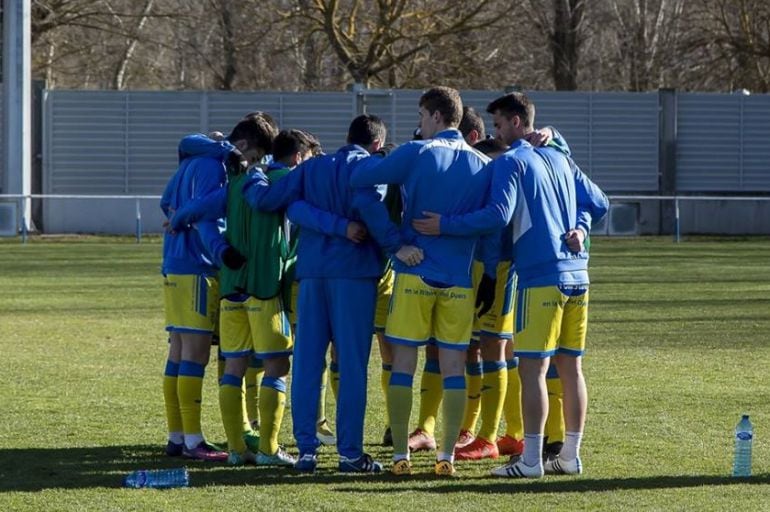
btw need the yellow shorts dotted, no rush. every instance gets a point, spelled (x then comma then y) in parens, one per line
(420, 313)
(254, 326)
(191, 303)
(498, 321)
(384, 292)
(551, 319)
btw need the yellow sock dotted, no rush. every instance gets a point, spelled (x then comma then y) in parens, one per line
(473, 400)
(492, 398)
(231, 407)
(431, 392)
(334, 379)
(271, 406)
(452, 412)
(385, 382)
(253, 378)
(189, 388)
(554, 422)
(514, 426)
(322, 395)
(400, 408)
(171, 398)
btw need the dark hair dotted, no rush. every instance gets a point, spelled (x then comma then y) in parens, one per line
(365, 129)
(490, 146)
(289, 142)
(446, 101)
(315, 144)
(515, 104)
(472, 121)
(264, 115)
(256, 131)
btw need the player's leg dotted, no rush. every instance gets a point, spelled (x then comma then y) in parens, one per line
(311, 344)
(409, 325)
(512, 443)
(452, 326)
(538, 323)
(384, 293)
(554, 422)
(569, 363)
(473, 377)
(253, 380)
(175, 442)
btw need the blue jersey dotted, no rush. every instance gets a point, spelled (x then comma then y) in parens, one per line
(442, 175)
(323, 183)
(201, 171)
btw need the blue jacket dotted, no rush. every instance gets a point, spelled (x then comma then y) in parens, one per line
(442, 175)
(201, 171)
(548, 195)
(323, 183)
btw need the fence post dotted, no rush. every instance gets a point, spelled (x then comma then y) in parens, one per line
(676, 217)
(138, 221)
(24, 219)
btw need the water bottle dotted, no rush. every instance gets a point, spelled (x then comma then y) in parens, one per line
(157, 478)
(744, 435)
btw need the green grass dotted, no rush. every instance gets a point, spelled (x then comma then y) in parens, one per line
(678, 348)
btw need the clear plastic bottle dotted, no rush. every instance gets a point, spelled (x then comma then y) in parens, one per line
(158, 478)
(744, 436)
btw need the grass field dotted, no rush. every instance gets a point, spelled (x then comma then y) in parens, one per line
(678, 349)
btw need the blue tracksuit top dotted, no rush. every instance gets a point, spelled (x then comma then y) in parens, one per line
(200, 172)
(443, 175)
(549, 195)
(323, 182)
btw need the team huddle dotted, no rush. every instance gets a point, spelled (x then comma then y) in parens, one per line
(473, 247)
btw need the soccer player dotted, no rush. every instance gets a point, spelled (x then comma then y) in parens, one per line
(191, 290)
(433, 300)
(338, 279)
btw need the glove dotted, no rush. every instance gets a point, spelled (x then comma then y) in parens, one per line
(236, 163)
(485, 295)
(233, 259)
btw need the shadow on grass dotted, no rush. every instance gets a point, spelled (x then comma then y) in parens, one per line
(82, 468)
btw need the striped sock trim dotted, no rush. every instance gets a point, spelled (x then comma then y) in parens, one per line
(276, 383)
(432, 366)
(512, 363)
(191, 369)
(172, 369)
(401, 379)
(456, 382)
(493, 366)
(473, 368)
(231, 380)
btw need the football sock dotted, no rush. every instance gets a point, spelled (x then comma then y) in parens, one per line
(492, 398)
(431, 393)
(171, 400)
(473, 378)
(400, 408)
(514, 426)
(554, 422)
(271, 406)
(231, 408)
(334, 379)
(254, 374)
(571, 448)
(452, 412)
(384, 382)
(533, 449)
(190, 390)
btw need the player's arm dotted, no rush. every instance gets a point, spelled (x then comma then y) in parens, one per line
(219, 251)
(492, 217)
(211, 207)
(367, 201)
(309, 217)
(165, 199)
(392, 169)
(265, 196)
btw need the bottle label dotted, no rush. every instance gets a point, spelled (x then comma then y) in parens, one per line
(744, 436)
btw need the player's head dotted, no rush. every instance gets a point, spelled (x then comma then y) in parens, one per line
(513, 115)
(491, 147)
(315, 144)
(253, 136)
(440, 108)
(292, 147)
(368, 131)
(264, 115)
(472, 126)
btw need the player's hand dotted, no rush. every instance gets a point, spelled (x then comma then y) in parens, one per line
(430, 225)
(539, 137)
(485, 295)
(236, 163)
(410, 255)
(167, 223)
(356, 232)
(217, 136)
(233, 259)
(574, 239)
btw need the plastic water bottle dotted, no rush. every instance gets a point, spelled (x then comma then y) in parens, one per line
(157, 478)
(744, 435)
